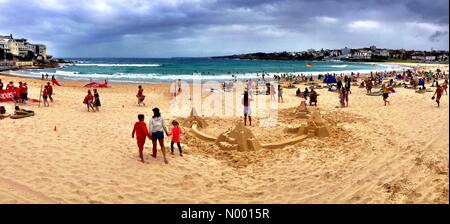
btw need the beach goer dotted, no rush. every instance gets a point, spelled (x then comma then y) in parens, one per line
(16, 95)
(306, 93)
(141, 131)
(247, 109)
(140, 96)
(444, 86)
(46, 76)
(437, 94)
(50, 91)
(280, 94)
(346, 92)
(97, 103)
(54, 81)
(297, 93)
(341, 97)
(23, 91)
(272, 92)
(45, 96)
(1, 85)
(176, 137)
(179, 85)
(385, 90)
(157, 128)
(313, 98)
(89, 100)
(10, 86)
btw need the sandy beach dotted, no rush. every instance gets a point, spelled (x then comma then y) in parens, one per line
(375, 154)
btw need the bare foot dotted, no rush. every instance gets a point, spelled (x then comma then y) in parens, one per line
(166, 162)
(154, 156)
(172, 153)
(181, 155)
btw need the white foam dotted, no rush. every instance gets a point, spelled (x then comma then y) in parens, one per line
(339, 66)
(119, 65)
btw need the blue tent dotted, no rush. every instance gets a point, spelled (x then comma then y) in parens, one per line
(330, 79)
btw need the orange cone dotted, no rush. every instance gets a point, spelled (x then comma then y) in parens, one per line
(54, 129)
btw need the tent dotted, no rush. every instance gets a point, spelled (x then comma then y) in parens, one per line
(330, 79)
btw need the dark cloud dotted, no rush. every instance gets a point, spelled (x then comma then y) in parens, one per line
(436, 37)
(207, 27)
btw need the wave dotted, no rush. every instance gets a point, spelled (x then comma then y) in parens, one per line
(339, 66)
(118, 65)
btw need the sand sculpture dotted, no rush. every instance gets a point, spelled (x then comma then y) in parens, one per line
(240, 138)
(194, 118)
(316, 126)
(301, 111)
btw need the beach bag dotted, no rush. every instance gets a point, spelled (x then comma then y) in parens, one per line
(432, 98)
(2, 110)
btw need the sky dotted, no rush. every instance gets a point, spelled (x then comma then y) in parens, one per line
(199, 28)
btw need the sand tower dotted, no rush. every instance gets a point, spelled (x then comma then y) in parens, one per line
(316, 126)
(240, 138)
(301, 111)
(195, 118)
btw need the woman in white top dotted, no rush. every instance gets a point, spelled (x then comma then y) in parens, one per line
(157, 127)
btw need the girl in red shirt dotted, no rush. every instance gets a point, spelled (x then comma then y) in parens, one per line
(89, 100)
(176, 136)
(141, 131)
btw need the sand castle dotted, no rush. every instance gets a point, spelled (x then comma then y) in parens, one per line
(240, 138)
(301, 111)
(315, 126)
(194, 118)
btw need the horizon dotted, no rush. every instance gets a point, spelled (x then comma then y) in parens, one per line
(202, 29)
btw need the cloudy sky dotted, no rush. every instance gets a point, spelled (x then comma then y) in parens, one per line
(178, 28)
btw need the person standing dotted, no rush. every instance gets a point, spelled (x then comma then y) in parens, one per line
(437, 94)
(97, 103)
(247, 110)
(1, 85)
(141, 131)
(385, 95)
(157, 128)
(50, 91)
(140, 96)
(280, 94)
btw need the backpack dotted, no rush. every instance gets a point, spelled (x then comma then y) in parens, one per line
(2, 110)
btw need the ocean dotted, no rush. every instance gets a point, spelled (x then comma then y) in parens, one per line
(154, 70)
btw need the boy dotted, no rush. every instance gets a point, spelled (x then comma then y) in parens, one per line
(141, 131)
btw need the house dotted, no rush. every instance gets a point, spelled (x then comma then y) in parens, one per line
(362, 54)
(418, 55)
(346, 52)
(41, 51)
(22, 47)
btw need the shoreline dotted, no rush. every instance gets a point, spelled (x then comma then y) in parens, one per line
(363, 73)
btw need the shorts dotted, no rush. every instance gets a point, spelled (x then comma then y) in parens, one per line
(45, 98)
(158, 135)
(89, 102)
(247, 111)
(385, 95)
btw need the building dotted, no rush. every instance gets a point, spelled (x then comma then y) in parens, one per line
(22, 47)
(41, 52)
(362, 54)
(346, 52)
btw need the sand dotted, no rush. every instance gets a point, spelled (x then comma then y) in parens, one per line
(376, 153)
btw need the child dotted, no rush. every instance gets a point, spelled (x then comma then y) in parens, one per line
(88, 100)
(45, 96)
(385, 95)
(247, 109)
(280, 94)
(140, 96)
(96, 100)
(141, 131)
(176, 136)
